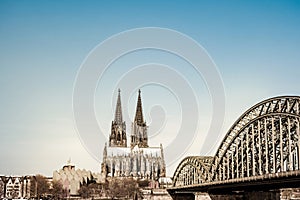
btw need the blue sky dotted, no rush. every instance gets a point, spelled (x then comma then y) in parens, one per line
(255, 45)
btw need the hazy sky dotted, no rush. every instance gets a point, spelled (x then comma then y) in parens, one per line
(254, 44)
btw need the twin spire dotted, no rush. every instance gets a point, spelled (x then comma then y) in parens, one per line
(139, 119)
(118, 137)
(118, 128)
(118, 113)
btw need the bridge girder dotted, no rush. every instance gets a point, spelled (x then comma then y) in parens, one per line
(264, 140)
(192, 170)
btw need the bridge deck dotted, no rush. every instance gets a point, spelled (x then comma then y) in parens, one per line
(258, 183)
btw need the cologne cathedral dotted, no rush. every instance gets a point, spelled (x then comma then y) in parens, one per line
(137, 160)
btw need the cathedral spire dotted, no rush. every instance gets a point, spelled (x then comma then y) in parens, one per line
(117, 137)
(139, 128)
(118, 112)
(139, 111)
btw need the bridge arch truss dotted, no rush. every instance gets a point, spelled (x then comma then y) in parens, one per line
(264, 141)
(192, 170)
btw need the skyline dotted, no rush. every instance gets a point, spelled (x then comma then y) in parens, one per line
(255, 46)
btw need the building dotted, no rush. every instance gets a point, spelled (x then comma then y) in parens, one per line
(137, 160)
(2, 187)
(15, 186)
(73, 179)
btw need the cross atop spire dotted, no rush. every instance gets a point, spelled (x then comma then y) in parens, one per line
(139, 119)
(118, 113)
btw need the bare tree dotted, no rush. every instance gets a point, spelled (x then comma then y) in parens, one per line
(114, 189)
(85, 191)
(91, 190)
(57, 191)
(121, 188)
(39, 186)
(131, 186)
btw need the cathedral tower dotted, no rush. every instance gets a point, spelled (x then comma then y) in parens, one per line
(117, 137)
(139, 160)
(139, 128)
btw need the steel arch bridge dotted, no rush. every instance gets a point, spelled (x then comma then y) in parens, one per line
(264, 143)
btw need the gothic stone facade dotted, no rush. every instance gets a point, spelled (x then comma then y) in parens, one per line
(138, 160)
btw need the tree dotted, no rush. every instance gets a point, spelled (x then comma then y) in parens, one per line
(39, 186)
(85, 191)
(121, 188)
(131, 186)
(114, 189)
(91, 190)
(57, 191)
